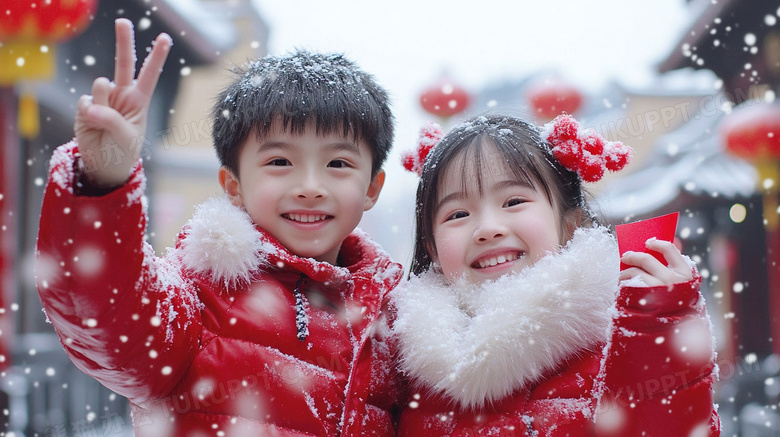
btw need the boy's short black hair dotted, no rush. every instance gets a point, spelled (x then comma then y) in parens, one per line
(326, 89)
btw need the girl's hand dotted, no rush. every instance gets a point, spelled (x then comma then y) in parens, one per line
(111, 123)
(651, 271)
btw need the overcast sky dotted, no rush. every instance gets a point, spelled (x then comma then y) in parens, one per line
(406, 44)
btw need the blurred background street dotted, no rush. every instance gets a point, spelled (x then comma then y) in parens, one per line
(690, 85)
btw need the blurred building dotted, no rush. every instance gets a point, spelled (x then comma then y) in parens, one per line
(46, 393)
(184, 158)
(727, 58)
(728, 55)
(725, 224)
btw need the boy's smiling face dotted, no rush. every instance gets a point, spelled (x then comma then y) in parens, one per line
(309, 191)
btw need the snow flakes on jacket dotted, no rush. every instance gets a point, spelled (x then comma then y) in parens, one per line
(478, 344)
(205, 340)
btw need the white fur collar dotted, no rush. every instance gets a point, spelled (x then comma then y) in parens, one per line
(479, 344)
(220, 240)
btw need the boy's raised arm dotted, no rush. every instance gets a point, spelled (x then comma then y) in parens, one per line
(114, 304)
(116, 112)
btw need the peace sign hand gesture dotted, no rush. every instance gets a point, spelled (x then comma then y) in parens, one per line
(116, 112)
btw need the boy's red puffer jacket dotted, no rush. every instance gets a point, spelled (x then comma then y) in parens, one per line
(203, 341)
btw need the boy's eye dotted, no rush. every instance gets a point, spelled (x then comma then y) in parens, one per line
(513, 202)
(337, 163)
(456, 215)
(279, 162)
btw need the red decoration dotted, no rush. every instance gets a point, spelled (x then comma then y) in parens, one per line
(445, 99)
(633, 236)
(414, 160)
(551, 98)
(29, 32)
(49, 20)
(753, 131)
(584, 151)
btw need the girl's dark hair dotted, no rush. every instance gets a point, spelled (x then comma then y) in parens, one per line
(326, 89)
(519, 148)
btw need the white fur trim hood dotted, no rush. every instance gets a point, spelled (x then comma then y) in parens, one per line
(478, 344)
(221, 240)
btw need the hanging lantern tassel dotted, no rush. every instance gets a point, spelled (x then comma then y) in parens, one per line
(29, 33)
(29, 121)
(24, 63)
(768, 179)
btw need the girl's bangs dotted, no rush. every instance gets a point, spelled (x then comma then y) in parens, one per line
(486, 154)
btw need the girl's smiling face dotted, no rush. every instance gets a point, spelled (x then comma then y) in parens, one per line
(488, 222)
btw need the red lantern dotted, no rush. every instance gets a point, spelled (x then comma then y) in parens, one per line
(552, 97)
(445, 98)
(29, 31)
(752, 132)
(45, 20)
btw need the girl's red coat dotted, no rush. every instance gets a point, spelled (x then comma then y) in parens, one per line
(557, 350)
(643, 387)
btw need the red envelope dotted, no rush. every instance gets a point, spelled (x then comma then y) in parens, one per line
(632, 236)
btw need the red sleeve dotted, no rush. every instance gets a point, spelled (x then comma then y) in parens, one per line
(659, 369)
(124, 316)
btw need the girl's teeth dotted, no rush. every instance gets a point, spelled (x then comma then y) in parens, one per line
(497, 260)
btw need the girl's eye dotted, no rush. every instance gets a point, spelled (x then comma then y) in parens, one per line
(281, 162)
(337, 163)
(513, 202)
(457, 215)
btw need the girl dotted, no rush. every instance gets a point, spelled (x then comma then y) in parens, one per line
(516, 319)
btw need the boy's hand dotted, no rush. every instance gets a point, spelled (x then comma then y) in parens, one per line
(111, 123)
(653, 272)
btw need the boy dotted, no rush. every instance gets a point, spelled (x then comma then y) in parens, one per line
(266, 318)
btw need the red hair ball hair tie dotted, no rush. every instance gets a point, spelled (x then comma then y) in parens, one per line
(414, 160)
(583, 150)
